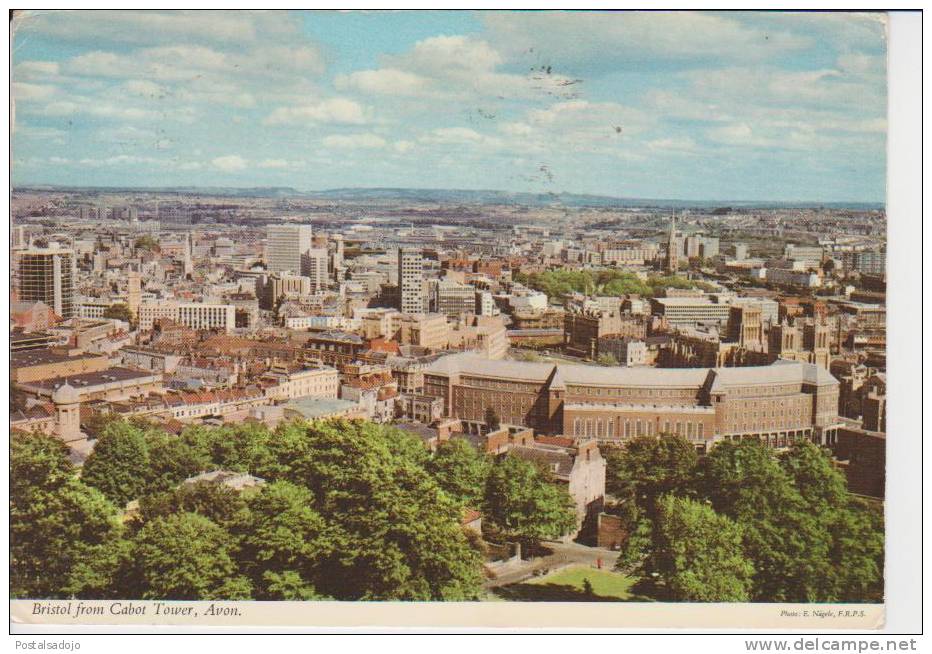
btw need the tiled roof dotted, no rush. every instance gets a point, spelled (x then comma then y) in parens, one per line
(557, 460)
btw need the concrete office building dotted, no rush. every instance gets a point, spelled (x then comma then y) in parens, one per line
(690, 310)
(285, 246)
(410, 280)
(451, 298)
(314, 267)
(195, 316)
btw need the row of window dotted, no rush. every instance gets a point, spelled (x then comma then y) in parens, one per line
(628, 428)
(630, 392)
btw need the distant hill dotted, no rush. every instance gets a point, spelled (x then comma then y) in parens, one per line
(454, 196)
(220, 191)
(466, 196)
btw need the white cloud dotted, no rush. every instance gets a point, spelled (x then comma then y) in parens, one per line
(354, 141)
(334, 110)
(24, 92)
(438, 55)
(121, 160)
(454, 68)
(454, 135)
(516, 129)
(43, 133)
(385, 81)
(35, 69)
(273, 163)
(234, 28)
(602, 41)
(63, 108)
(673, 144)
(229, 163)
(143, 88)
(403, 146)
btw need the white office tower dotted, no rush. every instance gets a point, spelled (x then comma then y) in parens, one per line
(314, 266)
(285, 246)
(410, 280)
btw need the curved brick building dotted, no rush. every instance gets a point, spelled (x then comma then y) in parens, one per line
(778, 403)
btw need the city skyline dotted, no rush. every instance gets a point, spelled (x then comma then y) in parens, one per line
(705, 106)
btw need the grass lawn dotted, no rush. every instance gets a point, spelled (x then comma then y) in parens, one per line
(567, 585)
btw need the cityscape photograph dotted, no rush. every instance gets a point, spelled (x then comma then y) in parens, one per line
(447, 306)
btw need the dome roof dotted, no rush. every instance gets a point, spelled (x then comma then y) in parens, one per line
(66, 394)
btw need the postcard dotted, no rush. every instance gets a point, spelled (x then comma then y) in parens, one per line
(486, 319)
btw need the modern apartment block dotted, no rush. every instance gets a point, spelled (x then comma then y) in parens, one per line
(47, 275)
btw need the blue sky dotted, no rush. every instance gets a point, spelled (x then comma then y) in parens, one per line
(711, 106)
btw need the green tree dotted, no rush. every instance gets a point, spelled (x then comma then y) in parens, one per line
(856, 530)
(461, 471)
(647, 467)
(787, 543)
(858, 552)
(522, 502)
(696, 554)
(119, 311)
(221, 504)
(607, 359)
(185, 556)
(171, 461)
(396, 534)
(119, 465)
(283, 542)
(65, 538)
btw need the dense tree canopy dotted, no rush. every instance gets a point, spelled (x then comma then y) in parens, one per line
(351, 510)
(460, 471)
(119, 465)
(65, 538)
(522, 503)
(786, 540)
(119, 311)
(806, 537)
(696, 554)
(558, 283)
(648, 467)
(185, 556)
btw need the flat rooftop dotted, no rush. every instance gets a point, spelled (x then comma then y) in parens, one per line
(88, 379)
(27, 358)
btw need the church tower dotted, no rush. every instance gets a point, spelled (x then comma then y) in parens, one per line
(673, 253)
(188, 264)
